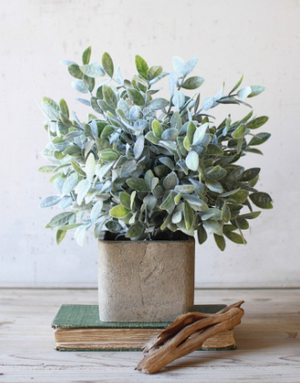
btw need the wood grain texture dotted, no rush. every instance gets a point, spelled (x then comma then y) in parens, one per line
(268, 342)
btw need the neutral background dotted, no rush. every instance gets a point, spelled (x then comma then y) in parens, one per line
(259, 38)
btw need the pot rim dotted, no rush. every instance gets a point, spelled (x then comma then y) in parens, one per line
(102, 239)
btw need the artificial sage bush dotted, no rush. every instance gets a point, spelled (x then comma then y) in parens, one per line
(141, 164)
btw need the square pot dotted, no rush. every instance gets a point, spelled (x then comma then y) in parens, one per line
(145, 281)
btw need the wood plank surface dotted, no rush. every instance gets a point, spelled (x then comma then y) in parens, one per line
(268, 342)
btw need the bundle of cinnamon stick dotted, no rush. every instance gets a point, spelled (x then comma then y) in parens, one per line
(187, 334)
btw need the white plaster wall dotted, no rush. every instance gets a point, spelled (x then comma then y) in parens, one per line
(257, 38)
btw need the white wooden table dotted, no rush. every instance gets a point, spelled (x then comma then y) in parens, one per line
(268, 342)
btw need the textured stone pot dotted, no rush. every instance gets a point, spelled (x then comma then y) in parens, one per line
(145, 281)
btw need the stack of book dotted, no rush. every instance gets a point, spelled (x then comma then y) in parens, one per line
(78, 328)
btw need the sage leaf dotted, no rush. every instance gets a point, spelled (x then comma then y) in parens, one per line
(256, 90)
(139, 147)
(213, 226)
(154, 72)
(193, 82)
(192, 161)
(75, 71)
(189, 66)
(136, 97)
(82, 189)
(109, 96)
(141, 66)
(137, 184)
(92, 70)
(170, 181)
(202, 235)
(188, 216)
(214, 186)
(220, 241)
(90, 167)
(158, 103)
(96, 211)
(262, 200)
(86, 55)
(125, 200)
(244, 92)
(50, 201)
(257, 122)
(250, 174)
(119, 211)
(234, 237)
(178, 64)
(108, 64)
(60, 235)
(135, 230)
(60, 219)
(70, 184)
(259, 139)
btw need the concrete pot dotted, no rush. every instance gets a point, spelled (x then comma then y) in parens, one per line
(145, 281)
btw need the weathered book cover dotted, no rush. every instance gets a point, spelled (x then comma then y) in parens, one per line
(78, 328)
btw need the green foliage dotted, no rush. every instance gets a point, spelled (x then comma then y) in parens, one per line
(142, 164)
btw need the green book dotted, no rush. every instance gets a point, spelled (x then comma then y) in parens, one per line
(78, 328)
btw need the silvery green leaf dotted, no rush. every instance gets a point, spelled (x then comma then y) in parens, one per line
(167, 161)
(127, 168)
(208, 102)
(168, 202)
(122, 105)
(176, 121)
(214, 186)
(113, 226)
(178, 100)
(215, 172)
(178, 64)
(239, 132)
(96, 211)
(196, 202)
(256, 90)
(134, 113)
(193, 82)
(88, 82)
(137, 184)
(170, 145)
(90, 167)
(118, 76)
(170, 134)
(212, 213)
(141, 66)
(83, 101)
(60, 219)
(177, 216)
(192, 161)
(136, 97)
(259, 138)
(50, 201)
(86, 55)
(140, 125)
(60, 235)
(185, 188)
(199, 134)
(170, 181)
(237, 85)
(135, 230)
(108, 64)
(262, 200)
(92, 70)
(244, 92)
(79, 86)
(65, 202)
(139, 147)
(67, 62)
(50, 108)
(109, 96)
(189, 66)
(70, 183)
(150, 201)
(150, 137)
(80, 234)
(158, 103)
(81, 190)
(75, 71)
(173, 79)
(213, 226)
(257, 122)
(154, 72)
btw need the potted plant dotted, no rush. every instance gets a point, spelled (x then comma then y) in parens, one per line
(145, 173)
